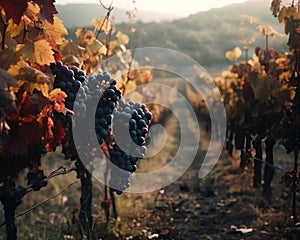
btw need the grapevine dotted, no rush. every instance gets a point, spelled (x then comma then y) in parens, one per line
(261, 97)
(48, 84)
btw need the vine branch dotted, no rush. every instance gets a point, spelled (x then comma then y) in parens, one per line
(44, 201)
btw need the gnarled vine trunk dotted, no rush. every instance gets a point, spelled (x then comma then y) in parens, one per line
(269, 170)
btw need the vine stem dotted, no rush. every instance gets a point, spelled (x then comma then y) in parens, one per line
(267, 41)
(131, 48)
(5, 25)
(109, 10)
(294, 186)
(102, 25)
(130, 67)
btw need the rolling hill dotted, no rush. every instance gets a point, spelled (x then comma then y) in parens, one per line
(78, 15)
(206, 36)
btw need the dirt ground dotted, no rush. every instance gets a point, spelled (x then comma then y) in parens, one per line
(222, 206)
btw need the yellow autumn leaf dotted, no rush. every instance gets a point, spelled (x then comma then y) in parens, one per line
(130, 86)
(32, 12)
(43, 54)
(122, 38)
(13, 29)
(284, 76)
(282, 14)
(29, 77)
(80, 33)
(15, 69)
(96, 47)
(113, 44)
(102, 24)
(22, 71)
(44, 88)
(54, 93)
(292, 12)
(55, 31)
(69, 48)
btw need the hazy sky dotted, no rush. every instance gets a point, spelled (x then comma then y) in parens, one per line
(178, 7)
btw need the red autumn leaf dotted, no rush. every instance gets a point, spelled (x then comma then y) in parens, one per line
(31, 129)
(26, 105)
(47, 126)
(57, 55)
(14, 9)
(47, 9)
(18, 143)
(59, 131)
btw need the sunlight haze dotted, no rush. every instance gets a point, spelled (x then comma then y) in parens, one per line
(177, 7)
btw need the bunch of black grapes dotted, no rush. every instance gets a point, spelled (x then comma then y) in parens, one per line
(122, 126)
(131, 125)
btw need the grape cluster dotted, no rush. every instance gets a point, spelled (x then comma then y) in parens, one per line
(70, 81)
(131, 141)
(110, 94)
(122, 126)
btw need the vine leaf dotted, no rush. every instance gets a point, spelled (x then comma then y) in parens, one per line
(275, 7)
(22, 71)
(32, 12)
(25, 50)
(43, 54)
(55, 31)
(122, 38)
(96, 47)
(72, 49)
(7, 99)
(14, 9)
(283, 95)
(32, 87)
(6, 79)
(261, 89)
(14, 29)
(47, 10)
(8, 58)
(29, 78)
(282, 14)
(102, 24)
